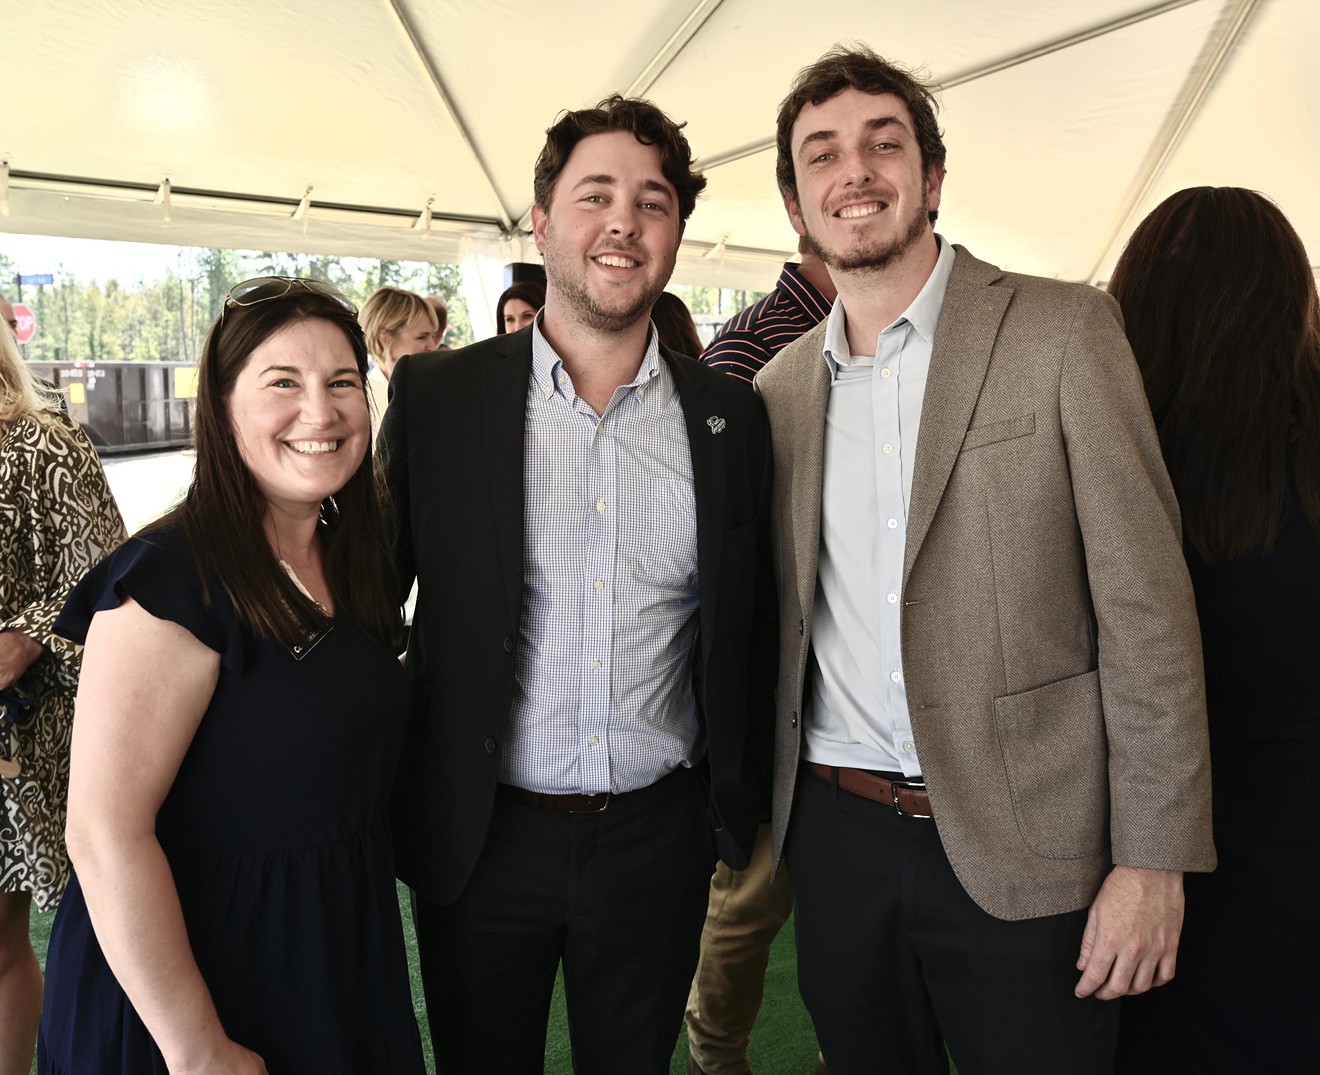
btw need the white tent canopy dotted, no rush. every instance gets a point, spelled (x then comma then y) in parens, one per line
(332, 127)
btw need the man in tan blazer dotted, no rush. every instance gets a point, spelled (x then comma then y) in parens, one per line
(991, 763)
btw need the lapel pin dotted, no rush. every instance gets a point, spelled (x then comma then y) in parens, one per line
(716, 423)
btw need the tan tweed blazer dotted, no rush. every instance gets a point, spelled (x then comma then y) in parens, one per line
(1050, 640)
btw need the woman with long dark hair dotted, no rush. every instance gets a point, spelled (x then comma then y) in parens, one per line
(1220, 304)
(517, 306)
(238, 727)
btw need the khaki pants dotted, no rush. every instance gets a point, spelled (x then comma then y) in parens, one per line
(745, 914)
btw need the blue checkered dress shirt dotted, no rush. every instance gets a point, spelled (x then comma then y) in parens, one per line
(603, 698)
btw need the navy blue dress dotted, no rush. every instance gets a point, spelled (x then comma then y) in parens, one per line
(1244, 997)
(276, 834)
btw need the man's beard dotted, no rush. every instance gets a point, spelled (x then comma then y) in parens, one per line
(874, 257)
(575, 295)
(572, 291)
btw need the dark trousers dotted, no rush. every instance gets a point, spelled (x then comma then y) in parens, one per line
(619, 897)
(895, 959)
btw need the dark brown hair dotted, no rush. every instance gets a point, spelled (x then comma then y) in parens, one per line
(674, 325)
(1221, 310)
(856, 67)
(528, 291)
(648, 125)
(222, 514)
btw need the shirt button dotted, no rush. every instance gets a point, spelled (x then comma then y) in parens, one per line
(897, 677)
(600, 505)
(595, 666)
(909, 746)
(886, 373)
(893, 524)
(593, 740)
(892, 598)
(599, 584)
(886, 448)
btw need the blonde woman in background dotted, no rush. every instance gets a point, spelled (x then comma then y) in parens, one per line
(396, 323)
(57, 519)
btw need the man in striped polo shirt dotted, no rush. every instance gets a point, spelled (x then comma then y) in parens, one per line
(752, 337)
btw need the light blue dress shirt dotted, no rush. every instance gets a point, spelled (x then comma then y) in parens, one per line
(859, 713)
(603, 696)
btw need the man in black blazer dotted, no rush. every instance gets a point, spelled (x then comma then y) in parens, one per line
(593, 649)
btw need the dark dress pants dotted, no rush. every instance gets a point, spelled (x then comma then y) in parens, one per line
(895, 959)
(618, 896)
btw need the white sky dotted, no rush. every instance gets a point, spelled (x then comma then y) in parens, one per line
(87, 259)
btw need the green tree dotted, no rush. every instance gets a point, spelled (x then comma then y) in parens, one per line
(447, 280)
(219, 271)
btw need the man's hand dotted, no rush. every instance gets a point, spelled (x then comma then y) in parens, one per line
(1131, 938)
(17, 652)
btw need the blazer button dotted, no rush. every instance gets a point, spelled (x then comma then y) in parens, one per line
(508, 644)
(802, 627)
(793, 722)
(490, 746)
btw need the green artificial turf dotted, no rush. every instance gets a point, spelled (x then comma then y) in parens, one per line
(782, 1042)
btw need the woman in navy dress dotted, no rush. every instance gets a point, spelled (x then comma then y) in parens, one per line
(239, 721)
(1220, 305)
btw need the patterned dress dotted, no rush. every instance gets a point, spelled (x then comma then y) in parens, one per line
(57, 519)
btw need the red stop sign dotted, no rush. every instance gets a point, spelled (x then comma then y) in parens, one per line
(27, 322)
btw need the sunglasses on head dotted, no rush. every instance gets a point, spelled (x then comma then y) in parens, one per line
(265, 288)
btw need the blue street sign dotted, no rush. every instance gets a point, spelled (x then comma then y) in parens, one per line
(37, 280)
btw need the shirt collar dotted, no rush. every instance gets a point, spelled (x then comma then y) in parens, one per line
(923, 313)
(551, 377)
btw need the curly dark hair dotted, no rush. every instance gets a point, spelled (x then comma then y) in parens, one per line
(859, 68)
(648, 125)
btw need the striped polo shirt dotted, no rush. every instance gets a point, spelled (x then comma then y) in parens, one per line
(752, 337)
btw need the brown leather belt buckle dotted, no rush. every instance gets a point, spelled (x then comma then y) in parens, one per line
(917, 787)
(587, 804)
(560, 804)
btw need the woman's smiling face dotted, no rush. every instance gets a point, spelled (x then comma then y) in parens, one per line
(299, 415)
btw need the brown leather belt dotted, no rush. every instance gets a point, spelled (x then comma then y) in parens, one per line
(908, 797)
(560, 804)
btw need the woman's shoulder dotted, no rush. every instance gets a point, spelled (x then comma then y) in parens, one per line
(158, 569)
(45, 426)
(44, 437)
(164, 544)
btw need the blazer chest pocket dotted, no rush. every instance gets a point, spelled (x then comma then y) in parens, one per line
(1056, 757)
(980, 436)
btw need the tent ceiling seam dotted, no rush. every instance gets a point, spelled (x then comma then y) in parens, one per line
(1037, 52)
(669, 52)
(1195, 89)
(456, 117)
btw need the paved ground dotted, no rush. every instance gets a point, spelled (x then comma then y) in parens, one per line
(146, 486)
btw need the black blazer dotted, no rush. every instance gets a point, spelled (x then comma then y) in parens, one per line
(453, 439)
